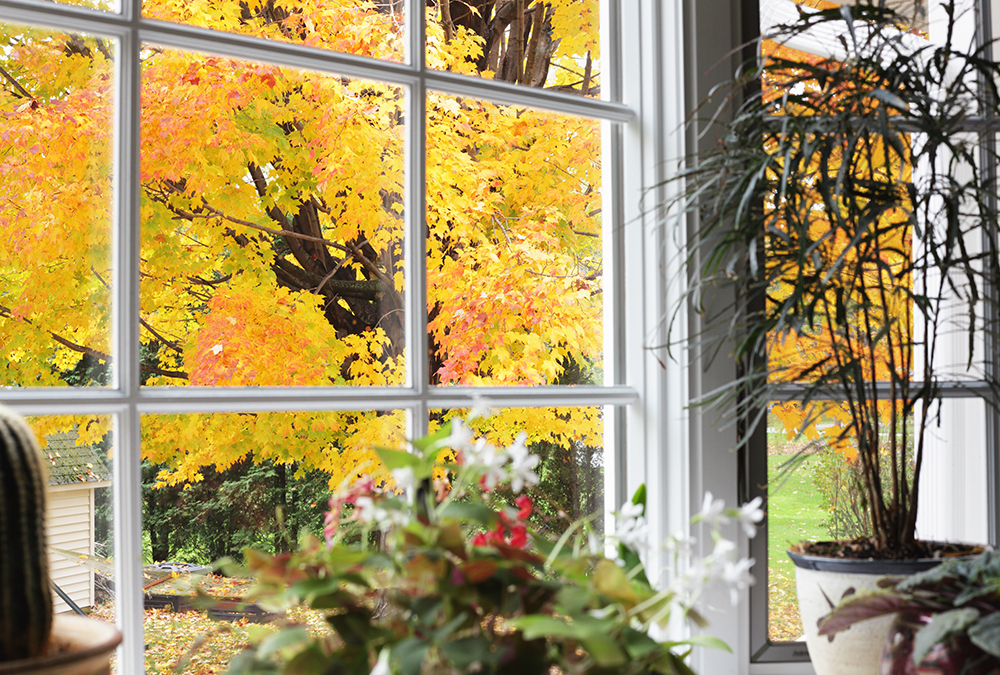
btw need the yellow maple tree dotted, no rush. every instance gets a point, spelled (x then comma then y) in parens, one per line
(272, 221)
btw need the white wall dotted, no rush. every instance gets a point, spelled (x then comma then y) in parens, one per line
(70, 522)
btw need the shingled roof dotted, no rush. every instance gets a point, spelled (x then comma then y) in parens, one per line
(71, 463)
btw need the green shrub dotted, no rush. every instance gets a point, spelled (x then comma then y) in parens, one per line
(840, 484)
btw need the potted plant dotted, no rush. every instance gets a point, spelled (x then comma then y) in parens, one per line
(947, 619)
(441, 573)
(845, 207)
(31, 639)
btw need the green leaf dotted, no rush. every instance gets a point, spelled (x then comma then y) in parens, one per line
(674, 664)
(640, 497)
(282, 640)
(942, 627)
(310, 661)
(709, 641)
(890, 99)
(572, 599)
(985, 634)
(432, 440)
(450, 627)
(638, 644)
(466, 651)
(397, 459)
(536, 626)
(479, 513)
(604, 649)
(540, 626)
(247, 663)
(409, 655)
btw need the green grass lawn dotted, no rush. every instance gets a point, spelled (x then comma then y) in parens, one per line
(793, 514)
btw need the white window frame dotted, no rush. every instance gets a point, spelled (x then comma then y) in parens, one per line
(647, 437)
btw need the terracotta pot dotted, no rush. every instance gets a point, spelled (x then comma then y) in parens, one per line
(84, 647)
(957, 656)
(821, 583)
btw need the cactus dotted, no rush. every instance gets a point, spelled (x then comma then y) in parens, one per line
(25, 596)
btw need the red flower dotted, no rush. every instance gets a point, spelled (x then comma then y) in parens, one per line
(526, 507)
(518, 536)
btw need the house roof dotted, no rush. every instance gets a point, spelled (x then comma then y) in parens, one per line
(71, 463)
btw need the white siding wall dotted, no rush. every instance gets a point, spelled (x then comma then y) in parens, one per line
(70, 527)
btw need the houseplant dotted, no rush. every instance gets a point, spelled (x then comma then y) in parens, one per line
(442, 575)
(31, 640)
(845, 207)
(947, 618)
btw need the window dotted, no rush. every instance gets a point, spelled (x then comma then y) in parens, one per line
(194, 271)
(817, 501)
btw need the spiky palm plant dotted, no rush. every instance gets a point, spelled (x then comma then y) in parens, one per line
(851, 206)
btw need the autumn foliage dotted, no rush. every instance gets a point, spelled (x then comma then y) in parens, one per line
(272, 233)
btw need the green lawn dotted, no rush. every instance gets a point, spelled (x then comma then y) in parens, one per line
(793, 514)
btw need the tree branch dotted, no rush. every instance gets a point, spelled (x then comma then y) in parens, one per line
(171, 344)
(17, 85)
(100, 356)
(215, 213)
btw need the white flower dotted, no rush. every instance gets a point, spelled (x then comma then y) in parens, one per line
(749, 515)
(460, 437)
(364, 509)
(681, 543)
(491, 461)
(382, 666)
(737, 576)
(723, 547)
(522, 464)
(629, 510)
(696, 578)
(389, 518)
(633, 534)
(405, 480)
(480, 408)
(367, 511)
(630, 526)
(712, 510)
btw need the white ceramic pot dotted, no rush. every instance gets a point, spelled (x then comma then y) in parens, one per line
(85, 648)
(821, 583)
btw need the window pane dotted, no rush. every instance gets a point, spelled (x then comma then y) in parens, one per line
(953, 478)
(56, 113)
(372, 28)
(78, 452)
(559, 47)
(570, 445)
(814, 489)
(514, 255)
(915, 9)
(214, 484)
(272, 225)
(106, 5)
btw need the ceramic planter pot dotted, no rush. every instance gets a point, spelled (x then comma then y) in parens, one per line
(821, 583)
(957, 656)
(85, 647)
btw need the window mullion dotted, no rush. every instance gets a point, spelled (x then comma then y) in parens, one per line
(988, 165)
(127, 485)
(416, 246)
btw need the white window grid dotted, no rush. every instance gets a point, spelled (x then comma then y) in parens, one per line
(643, 398)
